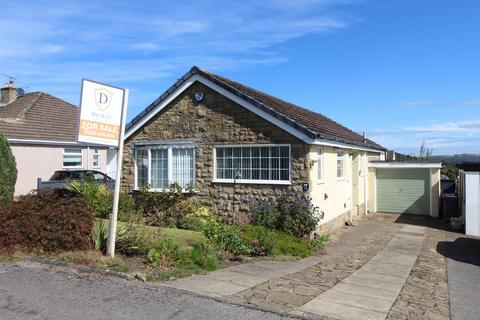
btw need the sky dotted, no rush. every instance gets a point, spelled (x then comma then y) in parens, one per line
(403, 71)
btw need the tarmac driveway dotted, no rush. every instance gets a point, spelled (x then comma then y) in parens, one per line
(463, 269)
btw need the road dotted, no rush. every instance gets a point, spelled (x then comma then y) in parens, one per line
(35, 291)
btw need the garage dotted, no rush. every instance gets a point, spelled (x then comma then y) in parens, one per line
(404, 187)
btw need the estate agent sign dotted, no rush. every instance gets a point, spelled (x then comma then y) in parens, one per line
(101, 110)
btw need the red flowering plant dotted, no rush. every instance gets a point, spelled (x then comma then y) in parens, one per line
(257, 249)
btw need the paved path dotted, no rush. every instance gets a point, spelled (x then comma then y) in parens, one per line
(463, 268)
(370, 292)
(30, 291)
(235, 279)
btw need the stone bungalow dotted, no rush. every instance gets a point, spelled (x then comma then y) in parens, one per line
(234, 144)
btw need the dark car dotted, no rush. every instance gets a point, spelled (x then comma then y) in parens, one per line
(61, 178)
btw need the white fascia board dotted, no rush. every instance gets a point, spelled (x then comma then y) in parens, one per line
(55, 143)
(430, 165)
(226, 93)
(345, 146)
(46, 142)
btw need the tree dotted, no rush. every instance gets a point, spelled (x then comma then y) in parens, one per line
(424, 151)
(8, 171)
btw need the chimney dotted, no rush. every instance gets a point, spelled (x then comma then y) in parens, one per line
(8, 93)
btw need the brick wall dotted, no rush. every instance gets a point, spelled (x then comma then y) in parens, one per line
(218, 120)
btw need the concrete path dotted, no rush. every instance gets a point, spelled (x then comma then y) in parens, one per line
(232, 280)
(463, 269)
(370, 292)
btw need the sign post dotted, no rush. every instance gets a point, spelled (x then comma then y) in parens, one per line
(103, 110)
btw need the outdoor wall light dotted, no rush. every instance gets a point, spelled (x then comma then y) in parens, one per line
(198, 97)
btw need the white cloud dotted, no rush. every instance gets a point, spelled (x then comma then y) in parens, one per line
(465, 126)
(471, 102)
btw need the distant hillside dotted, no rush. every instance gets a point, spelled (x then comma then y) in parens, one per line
(457, 158)
(447, 159)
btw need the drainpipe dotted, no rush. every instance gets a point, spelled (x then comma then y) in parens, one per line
(365, 185)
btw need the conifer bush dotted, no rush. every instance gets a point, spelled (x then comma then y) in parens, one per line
(8, 172)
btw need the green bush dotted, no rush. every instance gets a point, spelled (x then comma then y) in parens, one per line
(293, 215)
(283, 244)
(100, 234)
(204, 256)
(100, 201)
(97, 196)
(197, 220)
(166, 253)
(226, 238)
(318, 242)
(8, 172)
(52, 220)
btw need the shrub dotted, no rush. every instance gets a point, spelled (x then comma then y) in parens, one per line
(8, 172)
(297, 217)
(262, 214)
(166, 253)
(226, 238)
(166, 208)
(51, 221)
(197, 220)
(204, 256)
(100, 201)
(100, 234)
(293, 215)
(318, 242)
(97, 197)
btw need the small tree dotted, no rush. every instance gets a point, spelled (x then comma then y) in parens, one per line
(8, 172)
(424, 151)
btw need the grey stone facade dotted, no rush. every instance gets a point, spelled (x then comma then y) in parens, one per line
(216, 121)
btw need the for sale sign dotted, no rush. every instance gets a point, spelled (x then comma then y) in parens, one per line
(101, 113)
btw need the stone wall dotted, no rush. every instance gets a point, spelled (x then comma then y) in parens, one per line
(218, 120)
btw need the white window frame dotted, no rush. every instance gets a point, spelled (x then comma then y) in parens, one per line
(341, 158)
(320, 166)
(251, 181)
(96, 155)
(169, 149)
(69, 153)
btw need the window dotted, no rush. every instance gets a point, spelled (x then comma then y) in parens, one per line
(253, 164)
(160, 167)
(72, 157)
(320, 165)
(96, 158)
(340, 164)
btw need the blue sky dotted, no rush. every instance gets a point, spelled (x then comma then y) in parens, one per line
(404, 71)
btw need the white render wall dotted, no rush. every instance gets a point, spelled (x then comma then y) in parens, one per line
(40, 161)
(339, 199)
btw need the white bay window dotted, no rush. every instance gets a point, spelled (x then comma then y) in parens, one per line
(268, 164)
(161, 166)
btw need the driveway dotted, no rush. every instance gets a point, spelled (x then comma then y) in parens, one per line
(33, 291)
(463, 269)
(385, 267)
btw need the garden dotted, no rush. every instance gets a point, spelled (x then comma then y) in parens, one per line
(160, 235)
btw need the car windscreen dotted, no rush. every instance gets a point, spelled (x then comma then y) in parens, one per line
(58, 176)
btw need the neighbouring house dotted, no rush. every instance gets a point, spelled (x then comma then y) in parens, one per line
(42, 132)
(234, 144)
(469, 197)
